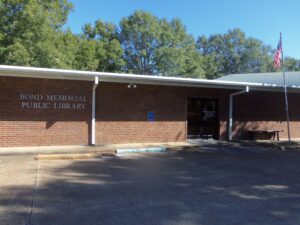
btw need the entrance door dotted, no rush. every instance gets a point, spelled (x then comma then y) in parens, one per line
(202, 118)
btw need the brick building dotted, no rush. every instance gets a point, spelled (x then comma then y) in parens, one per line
(41, 107)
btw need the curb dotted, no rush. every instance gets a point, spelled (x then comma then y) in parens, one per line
(67, 156)
(70, 156)
(52, 150)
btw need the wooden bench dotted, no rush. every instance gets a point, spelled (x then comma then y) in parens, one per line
(275, 133)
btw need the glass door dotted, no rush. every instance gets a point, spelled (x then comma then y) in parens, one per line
(202, 118)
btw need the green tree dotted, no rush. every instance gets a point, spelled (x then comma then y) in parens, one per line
(105, 51)
(139, 35)
(32, 33)
(68, 45)
(86, 56)
(177, 53)
(233, 52)
(28, 31)
(154, 46)
(291, 64)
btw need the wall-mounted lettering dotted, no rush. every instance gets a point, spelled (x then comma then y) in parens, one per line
(50, 101)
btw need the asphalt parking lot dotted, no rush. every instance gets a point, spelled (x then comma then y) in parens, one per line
(211, 185)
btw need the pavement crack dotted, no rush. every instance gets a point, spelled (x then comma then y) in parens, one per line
(33, 194)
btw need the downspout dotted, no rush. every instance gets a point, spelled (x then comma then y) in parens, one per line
(93, 121)
(231, 109)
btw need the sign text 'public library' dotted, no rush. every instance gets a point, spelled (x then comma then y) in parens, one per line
(50, 101)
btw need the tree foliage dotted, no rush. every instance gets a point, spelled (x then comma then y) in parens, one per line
(154, 46)
(30, 31)
(233, 52)
(291, 64)
(100, 43)
(33, 33)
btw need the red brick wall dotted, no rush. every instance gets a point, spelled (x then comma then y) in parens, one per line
(265, 110)
(122, 112)
(34, 127)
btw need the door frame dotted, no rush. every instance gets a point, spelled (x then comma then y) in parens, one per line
(217, 113)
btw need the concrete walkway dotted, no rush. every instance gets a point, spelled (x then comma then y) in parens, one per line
(9, 151)
(267, 145)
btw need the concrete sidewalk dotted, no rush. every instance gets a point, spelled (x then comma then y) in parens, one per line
(9, 151)
(203, 144)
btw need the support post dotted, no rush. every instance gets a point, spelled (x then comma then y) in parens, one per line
(93, 121)
(285, 93)
(230, 120)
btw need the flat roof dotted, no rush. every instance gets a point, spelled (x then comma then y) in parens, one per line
(47, 73)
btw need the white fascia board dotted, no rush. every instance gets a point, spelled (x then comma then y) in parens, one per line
(45, 73)
(33, 72)
(172, 81)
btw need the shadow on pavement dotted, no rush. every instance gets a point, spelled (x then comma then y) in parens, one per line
(188, 187)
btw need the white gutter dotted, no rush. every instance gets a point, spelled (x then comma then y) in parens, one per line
(93, 121)
(46, 73)
(230, 121)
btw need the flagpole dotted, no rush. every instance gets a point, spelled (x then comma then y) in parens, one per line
(285, 93)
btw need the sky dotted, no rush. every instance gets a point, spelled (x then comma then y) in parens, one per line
(261, 19)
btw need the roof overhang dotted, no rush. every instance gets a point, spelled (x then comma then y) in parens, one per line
(45, 73)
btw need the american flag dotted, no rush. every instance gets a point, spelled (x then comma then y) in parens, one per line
(278, 54)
